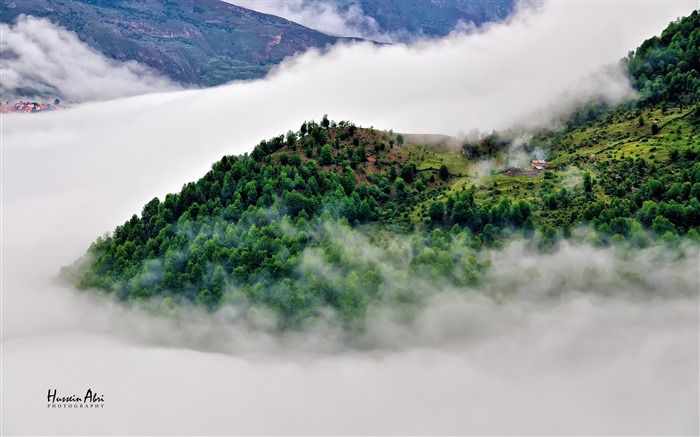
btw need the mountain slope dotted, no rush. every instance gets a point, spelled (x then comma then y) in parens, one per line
(205, 42)
(385, 20)
(666, 67)
(430, 18)
(280, 228)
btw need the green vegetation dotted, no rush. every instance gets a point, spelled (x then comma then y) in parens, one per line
(279, 227)
(665, 68)
(249, 223)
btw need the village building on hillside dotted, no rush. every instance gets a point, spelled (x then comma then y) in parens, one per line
(538, 164)
(28, 107)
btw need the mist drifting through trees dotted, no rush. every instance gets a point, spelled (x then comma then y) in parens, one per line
(584, 337)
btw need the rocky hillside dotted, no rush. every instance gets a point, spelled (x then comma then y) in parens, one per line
(202, 42)
(410, 18)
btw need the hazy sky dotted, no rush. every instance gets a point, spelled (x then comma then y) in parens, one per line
(612, 361)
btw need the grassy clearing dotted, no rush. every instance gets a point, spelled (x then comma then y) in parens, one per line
(618, 138)
(431, 158)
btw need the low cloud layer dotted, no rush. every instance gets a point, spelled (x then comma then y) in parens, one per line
(324, 16)
(528, 70)
(564, 343)
(582, 341)
(41, 59)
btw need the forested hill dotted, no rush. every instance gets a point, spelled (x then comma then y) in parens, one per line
(317, 218)
(665, 68)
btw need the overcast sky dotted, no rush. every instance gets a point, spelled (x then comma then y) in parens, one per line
(578, 363)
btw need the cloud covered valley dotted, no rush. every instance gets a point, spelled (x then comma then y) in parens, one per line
(583, 340)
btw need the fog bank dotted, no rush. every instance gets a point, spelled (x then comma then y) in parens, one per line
(531, 69)
(41, 59)
(324, 16)
(553, 344)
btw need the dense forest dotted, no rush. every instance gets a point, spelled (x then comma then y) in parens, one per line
(665, 68)
(319, 219)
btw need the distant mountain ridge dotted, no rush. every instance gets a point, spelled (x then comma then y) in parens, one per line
(435, 18)
(211, 42)
(392, 21)
(202, 42)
